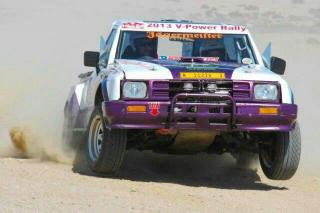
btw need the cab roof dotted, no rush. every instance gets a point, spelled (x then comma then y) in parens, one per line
(186, 26)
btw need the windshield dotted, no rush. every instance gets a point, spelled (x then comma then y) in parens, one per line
(214, 47)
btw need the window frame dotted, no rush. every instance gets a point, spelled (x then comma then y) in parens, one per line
(105, 55)
(255, 60)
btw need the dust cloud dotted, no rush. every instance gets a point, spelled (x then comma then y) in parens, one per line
(28, 144)
(32, 114)
(31, 141)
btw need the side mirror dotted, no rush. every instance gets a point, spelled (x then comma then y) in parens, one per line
(277, 65)
(91, 58)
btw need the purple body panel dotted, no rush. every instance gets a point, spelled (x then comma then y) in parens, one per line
(246, 117)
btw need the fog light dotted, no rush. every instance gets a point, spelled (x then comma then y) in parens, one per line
(177, 109)
(212, 87)
(188, 86)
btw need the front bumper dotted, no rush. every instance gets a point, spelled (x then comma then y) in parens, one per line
(214, 115)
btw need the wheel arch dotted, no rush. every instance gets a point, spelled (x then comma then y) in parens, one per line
(101, 93)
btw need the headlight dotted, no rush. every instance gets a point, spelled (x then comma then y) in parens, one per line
(134, 90)
(265, 92)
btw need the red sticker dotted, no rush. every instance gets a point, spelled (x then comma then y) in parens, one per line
(211, 59)
(154, 108)
(136, 25)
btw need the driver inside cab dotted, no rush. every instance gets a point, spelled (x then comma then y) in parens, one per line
(141, 47)
(145, 47)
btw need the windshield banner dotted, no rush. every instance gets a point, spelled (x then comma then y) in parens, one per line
(183, 27)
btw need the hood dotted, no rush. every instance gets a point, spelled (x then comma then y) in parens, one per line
(161, 69)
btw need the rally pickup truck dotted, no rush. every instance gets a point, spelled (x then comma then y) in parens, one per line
(180, 87)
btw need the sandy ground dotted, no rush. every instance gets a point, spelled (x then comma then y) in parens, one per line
(153, 183)
(41, 47)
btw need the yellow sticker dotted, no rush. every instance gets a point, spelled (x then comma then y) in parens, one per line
(203, 75)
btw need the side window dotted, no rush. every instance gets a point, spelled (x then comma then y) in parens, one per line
(126, 47)
(104, 57)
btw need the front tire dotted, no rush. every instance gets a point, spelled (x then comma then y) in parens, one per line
(279, 159)
(105, 149)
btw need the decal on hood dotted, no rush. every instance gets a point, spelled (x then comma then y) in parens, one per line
(201, 67)
(157, 69)
(198, 70)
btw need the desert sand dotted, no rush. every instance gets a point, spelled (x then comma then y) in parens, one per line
(153, 183)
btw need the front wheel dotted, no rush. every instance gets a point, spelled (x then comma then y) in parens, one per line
(280, 158)
(105, 148)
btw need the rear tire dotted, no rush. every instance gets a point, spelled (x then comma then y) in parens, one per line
(279, 160)
(105, 149)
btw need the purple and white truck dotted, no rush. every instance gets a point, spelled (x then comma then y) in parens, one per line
(181, 87)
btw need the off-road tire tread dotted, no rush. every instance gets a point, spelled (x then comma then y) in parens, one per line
(113, 150)
(288, 150)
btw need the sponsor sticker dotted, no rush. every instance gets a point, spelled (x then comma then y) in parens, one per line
(190, 26)
(184, 36)
(174, 58)
(202, 75)
(154, 108)
(163, 57)
(211, 59)
(246, 61)
(134, 25)
(202, 67)
(170, 57)
(178, 58)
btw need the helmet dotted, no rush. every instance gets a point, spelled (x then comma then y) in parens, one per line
(139, 40)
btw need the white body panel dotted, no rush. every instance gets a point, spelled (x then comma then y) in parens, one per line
(261, 73)
(142, 70)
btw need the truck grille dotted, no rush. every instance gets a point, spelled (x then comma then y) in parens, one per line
(166, 90)
(241, 90)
